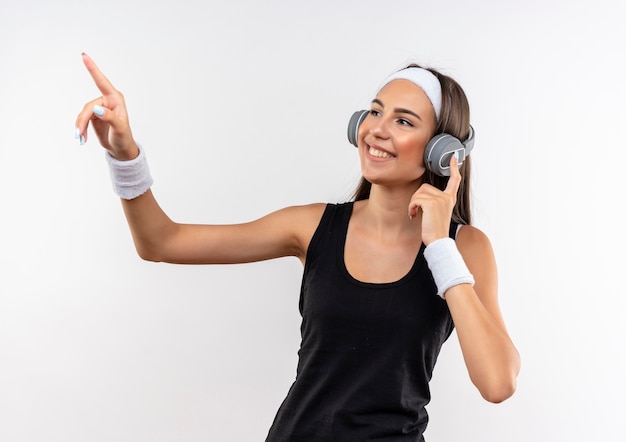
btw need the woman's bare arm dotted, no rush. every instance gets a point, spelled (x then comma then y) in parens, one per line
(286, 232)
(491, 358)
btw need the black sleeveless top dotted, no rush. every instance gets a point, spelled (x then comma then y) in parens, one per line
(368, 350)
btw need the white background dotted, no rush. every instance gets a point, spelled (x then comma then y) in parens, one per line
(242, 107)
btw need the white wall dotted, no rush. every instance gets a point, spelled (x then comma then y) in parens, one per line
(242, 108)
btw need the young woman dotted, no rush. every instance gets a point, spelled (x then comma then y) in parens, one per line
(386, 277)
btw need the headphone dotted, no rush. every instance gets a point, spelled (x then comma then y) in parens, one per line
(438, 151)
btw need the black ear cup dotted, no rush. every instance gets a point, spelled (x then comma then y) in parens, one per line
(438, 152)
(353, 126)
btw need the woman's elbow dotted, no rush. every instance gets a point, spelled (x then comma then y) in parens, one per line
(500, 393)
(498, 388)
(501, 383)
(148, 253)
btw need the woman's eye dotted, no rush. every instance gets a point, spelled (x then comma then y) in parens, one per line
(404, 122)
(375, 113)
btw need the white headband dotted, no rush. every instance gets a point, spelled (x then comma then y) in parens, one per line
(425, 80)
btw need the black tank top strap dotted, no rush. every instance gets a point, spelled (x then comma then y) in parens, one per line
(454, 227)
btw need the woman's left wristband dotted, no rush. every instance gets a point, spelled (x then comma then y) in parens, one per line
(447, 265)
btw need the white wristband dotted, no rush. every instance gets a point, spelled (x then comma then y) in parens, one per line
(447, 265)
(130, 178)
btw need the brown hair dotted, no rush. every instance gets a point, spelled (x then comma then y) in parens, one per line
(454, 119)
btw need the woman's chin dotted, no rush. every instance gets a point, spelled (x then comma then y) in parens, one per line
(386, 180)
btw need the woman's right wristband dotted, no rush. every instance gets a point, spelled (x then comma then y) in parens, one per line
(130, 178)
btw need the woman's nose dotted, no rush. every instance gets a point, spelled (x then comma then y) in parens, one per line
(380, 127)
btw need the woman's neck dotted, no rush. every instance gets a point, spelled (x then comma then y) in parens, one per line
(387, 211)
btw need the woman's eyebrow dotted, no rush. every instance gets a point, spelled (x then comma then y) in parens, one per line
(398, 110)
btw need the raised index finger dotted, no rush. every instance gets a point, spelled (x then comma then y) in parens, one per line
(101, 81)
(455, 177)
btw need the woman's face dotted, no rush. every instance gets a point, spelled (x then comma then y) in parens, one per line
(392, 138)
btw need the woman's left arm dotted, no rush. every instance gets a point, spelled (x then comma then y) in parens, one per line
(492, 360)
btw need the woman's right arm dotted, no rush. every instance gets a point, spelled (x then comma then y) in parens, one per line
(285, 232)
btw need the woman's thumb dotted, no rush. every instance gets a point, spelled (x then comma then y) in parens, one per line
(103, 114)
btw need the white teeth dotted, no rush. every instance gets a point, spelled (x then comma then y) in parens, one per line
(378, 153)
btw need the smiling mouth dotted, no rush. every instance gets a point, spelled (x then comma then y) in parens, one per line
(378, 153)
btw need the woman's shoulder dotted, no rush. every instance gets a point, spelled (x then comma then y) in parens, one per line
(314, 211)
(303, 221)
(306, 211)
(471, 234)
(473, 243)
